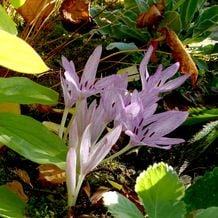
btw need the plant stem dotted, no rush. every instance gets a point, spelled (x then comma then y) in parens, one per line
(122, 151)
(63, 121)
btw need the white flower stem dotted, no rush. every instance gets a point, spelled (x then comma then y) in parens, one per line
(72, 201)
(122, 151)
(63, 121)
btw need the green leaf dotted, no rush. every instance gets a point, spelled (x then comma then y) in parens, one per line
(207, 20)
(19, 56)
(140, 5)
(203, 193)
(160, 190)
(122, 46)
(11, 205)
(120, 206)
(32, 139)
(210, 212)
(17, 3)
(172, 20)
(6, 23)
(24, 91)
(188, 10)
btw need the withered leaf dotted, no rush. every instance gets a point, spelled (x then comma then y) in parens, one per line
(36, 9)
(152, 16)
(97, 196)
(49, 173)
(23, 175)
(75, 11)
(16, 187)
(179, 53)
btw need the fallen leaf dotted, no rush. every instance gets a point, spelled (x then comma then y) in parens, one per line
(17, 187)
(51, 174)
(36, 9)
(10, 107)
(179, 53)
(152, 16)
(97, 196)
(87, 189)
(23, 175)
(75, 11)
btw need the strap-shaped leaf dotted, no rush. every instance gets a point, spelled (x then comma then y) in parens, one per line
(6, 23)
(19, 56)
(24, 91)
(11, 205)
(121, 206)
(31, 139)
(160, 190)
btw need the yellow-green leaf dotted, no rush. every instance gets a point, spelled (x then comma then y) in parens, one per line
(19, 56)
(17, 3)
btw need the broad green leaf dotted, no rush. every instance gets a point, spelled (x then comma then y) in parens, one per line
(207, 20)
(11, 206)
(203, 193)
(188, 10)
(121, 46)
(210, 212)
(19, 56)
(24, 91)
(160, 190)
(140, 5)
(32, 139)
(17, 3)
(120, 206)
(6, 23)
(172, 20)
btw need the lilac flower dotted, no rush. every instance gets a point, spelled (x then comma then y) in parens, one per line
(151, 131)
(92, 155)
(158, 82)
(75, 88)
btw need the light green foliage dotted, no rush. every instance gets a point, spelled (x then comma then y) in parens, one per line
(24, 91)
(32, 140)
(198, 115)
(6, 23)
(17, 3)
(121, 206)
(203, 193)
(210, 212)
(186, 18)
(160, 190)
(19, 56)
(11, 205)
(209, 133)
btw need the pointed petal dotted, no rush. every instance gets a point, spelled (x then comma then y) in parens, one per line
(85, 149)
(102, 148)
(143, 68)
(89, 73)
(172, 84)
(71, 172)
(70, 68)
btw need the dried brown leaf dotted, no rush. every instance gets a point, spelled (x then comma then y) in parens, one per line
(187, 65)
(23, 175)
(36, 9)
(75, 11)
(17, 187)
(49, 173)
(97, 196)
(152, 16)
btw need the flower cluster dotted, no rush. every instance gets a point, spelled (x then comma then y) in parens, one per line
(131, 112)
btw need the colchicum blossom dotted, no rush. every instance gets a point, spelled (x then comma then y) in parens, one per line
(158, 82)
(86, 148)
(75, 88)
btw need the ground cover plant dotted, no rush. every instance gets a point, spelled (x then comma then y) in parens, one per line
(78, 128)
